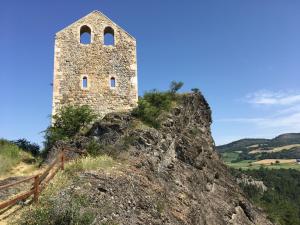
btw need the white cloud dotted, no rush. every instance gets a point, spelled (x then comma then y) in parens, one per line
(291, 121)
(284, 111)
(288, 110)
(265, 97)
(285, 121)
(241, 120)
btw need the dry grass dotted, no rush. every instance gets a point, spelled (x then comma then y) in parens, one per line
(253, 146)
(13, 161)
(10, 156)
(91, 163)
(270, 161)
(277, 149)
(286, 147)
(22, 169)
(46, 210)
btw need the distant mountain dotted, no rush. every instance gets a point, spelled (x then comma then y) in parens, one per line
(242, 143)
(289, 138)
(284, 146)
(251, 143)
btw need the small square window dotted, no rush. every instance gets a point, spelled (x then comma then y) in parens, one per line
(84, 82)
(112, 82)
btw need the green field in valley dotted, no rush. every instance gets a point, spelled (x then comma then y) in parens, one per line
(248, 164)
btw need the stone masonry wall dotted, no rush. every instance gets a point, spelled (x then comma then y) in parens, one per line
(99, 63)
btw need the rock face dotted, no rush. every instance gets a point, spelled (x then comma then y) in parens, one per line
(171, 176)
(249, 181)
(95, 73)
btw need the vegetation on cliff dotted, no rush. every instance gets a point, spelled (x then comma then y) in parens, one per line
(282, 198)
(154, 102)
(156, 176)
(72, 206)
(68, 122)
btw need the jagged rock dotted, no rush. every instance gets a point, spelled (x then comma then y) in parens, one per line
(172, 175)
(250, 181)
(72, 149)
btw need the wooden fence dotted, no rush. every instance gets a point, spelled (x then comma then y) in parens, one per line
(40, 181)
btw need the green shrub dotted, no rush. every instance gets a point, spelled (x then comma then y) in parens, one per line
(94, 148)
(68, 122)
(175, 86)
(195, 90)
(48, 212)
(160, 206)
(27, 146)
(154, 102)
(151, 106)
(127, 141)
(281, 200)
(57, 208)
(90, 163)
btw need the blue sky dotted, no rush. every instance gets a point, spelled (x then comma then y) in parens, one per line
(243, 55)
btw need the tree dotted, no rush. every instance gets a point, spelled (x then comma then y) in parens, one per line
(68, 122)
(151, 105)
(24, 144)
(154, 102)
(195, 90)
(175, 86)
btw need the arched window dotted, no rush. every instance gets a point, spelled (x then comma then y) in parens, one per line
(112, 82)
(109, 37)
(85, 35)
(84, 82)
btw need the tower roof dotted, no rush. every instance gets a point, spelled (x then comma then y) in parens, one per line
(100, 14)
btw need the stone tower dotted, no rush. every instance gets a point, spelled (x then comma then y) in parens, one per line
(95, 65)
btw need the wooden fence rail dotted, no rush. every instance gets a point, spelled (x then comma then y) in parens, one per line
(40, 182)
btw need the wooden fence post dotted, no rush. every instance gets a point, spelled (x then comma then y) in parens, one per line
(62, 161)
(36, 188)
(40, 181)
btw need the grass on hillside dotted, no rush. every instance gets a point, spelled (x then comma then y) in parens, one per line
(11, 156)
(274, 149)
(248, 165)
(90, 163)
(51, 210)
(74, 209)
(228, 157)
(281, 200)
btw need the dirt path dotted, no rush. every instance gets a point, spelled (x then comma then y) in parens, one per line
(10, 214)
(19, 172)
(22, 169)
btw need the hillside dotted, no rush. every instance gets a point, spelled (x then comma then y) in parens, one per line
(271, 163)
(285, 146)
(15, 161)
(242, 144)
(145, 175)
(250, 144)
(280, 195)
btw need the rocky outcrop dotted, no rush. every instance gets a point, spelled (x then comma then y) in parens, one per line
(170, 175)
(250, 181)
